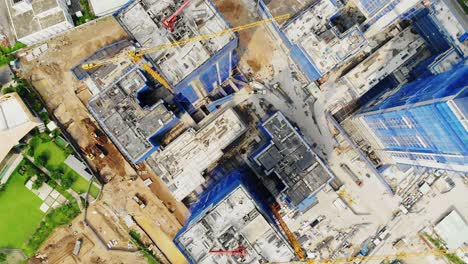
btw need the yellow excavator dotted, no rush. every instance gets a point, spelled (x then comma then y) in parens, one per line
(137, 54)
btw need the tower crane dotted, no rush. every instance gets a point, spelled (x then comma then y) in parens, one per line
(137, 54)
(170, 21)
(275, 208)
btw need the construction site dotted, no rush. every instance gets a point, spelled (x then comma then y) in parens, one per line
(230, 224)
(207, 122)
(292, 161)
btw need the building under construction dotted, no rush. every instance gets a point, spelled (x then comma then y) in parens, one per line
(289, 162)
(129, 117)
(195, 70)
(326, 34)
(182, 162)
(232, 223)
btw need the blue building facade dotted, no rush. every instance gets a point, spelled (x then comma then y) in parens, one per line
(220, 190)
(424, 123)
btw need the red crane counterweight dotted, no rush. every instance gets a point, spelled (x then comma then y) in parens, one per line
(169, 22)
(240, 251)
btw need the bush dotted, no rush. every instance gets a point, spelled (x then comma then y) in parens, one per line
(15, 47)
(41, 178)
(44, 116)
(67, 180)
(3, 257)
(87, 14)
(9, 89)
(136, 238)
(2, 187)
(56, 175)
(57, 217)
(454, 259)
(42, 159)
(33, 144)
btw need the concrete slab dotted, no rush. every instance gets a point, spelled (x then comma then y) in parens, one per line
(44, 208)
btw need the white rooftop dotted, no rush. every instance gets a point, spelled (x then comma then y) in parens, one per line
(182, 162)
(37, 16)
(454, 20)
(453, 230)
(385, 18)
(106, 7)
(325, 47)
(15, 122)
(144, 21)
(236, 220)
(384, 61)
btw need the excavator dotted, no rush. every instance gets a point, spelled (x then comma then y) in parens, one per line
(136, 54)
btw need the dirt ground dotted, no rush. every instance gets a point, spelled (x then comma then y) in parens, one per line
(66, 98)
(255, 46)
(59, 247)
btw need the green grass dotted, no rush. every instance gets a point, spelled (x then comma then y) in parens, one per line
(57, 154)
(15, 47)
(19, 214)
(87, 14)
(5, 52)
(42, 144)
(61, 190)
(136, 238)
(454, 259)
(81, 186)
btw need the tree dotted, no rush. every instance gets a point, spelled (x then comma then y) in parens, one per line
(42, 159)
(67, 180)
(56, 175)
(41, 178)
(34, 143)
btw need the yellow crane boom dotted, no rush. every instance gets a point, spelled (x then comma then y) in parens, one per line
(275, 209)
(138, 53)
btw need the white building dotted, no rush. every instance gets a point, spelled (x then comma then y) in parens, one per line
(38, 20)
(106, 7)
(453, 230)
(15, 122)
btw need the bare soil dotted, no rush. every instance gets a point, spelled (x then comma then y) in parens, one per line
(66, 98)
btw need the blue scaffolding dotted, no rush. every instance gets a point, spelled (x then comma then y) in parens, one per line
(424, 118)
